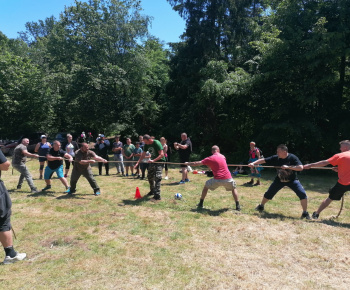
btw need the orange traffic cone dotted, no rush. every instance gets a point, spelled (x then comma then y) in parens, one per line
(137, 193)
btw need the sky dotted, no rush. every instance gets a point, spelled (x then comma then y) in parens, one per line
(167, 25)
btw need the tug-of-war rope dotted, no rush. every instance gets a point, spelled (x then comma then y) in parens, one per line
(229, 165)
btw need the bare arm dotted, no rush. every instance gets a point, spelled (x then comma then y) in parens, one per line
(316, 164)
(5, 166)
(26, 153)
(160, 156)
(257, 162)
(36, 149)
(293, 167)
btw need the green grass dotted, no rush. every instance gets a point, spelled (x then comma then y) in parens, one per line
(116, 242)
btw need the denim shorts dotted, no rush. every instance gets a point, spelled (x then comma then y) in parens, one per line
(294, 185)
(48, 172)
(5, 222)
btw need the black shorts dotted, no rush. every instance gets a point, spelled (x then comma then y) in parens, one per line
(184, 160)
(337, 191)
(5, 222)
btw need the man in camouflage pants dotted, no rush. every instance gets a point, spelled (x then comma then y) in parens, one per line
(155, 148)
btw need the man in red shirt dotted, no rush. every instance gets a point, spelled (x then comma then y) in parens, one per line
(342, 161)
(222, 175)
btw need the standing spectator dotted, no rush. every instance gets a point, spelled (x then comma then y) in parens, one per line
(286, 176)
(81, 139)
(70, 147)
(127, 151)
(165, 150)
(83, 158)
(137, 153)
(118, 156)
(142, 144)
(18, 162)
(155, 148)
(222, 176)
(342, 161)
(11, 255)
(144, 165)
(254, 154)
(55, 164)
(102, 148)
(42, 148)
(185, 149)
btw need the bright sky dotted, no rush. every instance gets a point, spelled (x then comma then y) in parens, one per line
(167, 25)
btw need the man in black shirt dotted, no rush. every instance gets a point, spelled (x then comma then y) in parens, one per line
(287, 164)
(11, 255)
(55, 164)
(185, 149)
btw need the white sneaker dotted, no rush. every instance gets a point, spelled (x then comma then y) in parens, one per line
(166, 177)
(18, 257)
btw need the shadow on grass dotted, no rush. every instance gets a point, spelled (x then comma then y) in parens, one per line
(133, 201)
(71, 196)
(266, 215)
(42, 193)
(334, 223)
(207, 211)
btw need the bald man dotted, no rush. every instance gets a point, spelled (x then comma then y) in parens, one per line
(222, 176)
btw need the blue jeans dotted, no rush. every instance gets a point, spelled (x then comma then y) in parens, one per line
(277, 185)
(119, 165)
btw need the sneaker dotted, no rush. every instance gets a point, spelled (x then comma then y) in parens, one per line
(97, 193)
(126, 175)
(18, 257)
(166, 178)
(150, 193)
(182, 182)
(259, 207)
(69, 191)
(238, 207)
(199, 205)
(315, 215)
(19, 186)
(34, 190)
(123, 174)
(40, 177)
(257, 183)
(46, 187)
(133, 174)
(118, 173)
(187, 180)
(305, 215)
(142, 178)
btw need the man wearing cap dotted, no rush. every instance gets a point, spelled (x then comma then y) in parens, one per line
(222, 176)
(342, 161)
(102, 146)
(155, 148)
(83, 158)
(55, 164)
(19, 159)
(118, 156)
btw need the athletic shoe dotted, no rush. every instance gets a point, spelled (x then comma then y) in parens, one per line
(46, 187)
(133, 174)
(238, 207)
(315, 215)
(126, 175)
(18, 257)
(34, 190)
(182, 182)
(19, 186)
(166, 178)
(305, 215)
(199, 205)
(69, 191)
(150, 193)
(257, 183)
(142, 178)
(187, 180)
(40, 177)
(123, 174)
(259, 207)
(97, 193)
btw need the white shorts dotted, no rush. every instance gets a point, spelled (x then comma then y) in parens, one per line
(213, 184)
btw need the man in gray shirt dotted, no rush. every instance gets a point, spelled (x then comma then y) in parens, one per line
(19, 159)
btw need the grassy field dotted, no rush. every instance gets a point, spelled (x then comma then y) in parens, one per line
(116, 242)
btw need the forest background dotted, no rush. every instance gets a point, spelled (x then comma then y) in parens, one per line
(275, 71)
